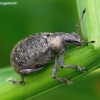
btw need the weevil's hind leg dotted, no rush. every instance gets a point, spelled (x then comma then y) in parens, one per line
(54, 72)
(30, 71)
(22, 72)
(22, 79)
(17, 82)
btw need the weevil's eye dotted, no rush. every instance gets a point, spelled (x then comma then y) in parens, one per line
(68, 40)
(77, 43)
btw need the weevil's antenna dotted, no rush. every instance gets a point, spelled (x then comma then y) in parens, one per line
(90, 42)
(80, 20)
(85, 42)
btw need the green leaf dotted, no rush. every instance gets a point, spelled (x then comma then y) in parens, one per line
(41, 82)
(91, 22)
(85, 56)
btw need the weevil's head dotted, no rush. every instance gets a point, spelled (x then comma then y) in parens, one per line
(72, 38)
(75, 39)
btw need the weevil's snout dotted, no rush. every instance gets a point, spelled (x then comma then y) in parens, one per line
(77, 43)
(81, 42)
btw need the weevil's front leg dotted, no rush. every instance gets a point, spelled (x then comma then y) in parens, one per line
(61, 63)
(54, 72)
(22, 72)
(81, 69)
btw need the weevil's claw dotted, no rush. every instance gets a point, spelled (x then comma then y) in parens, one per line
(69, 82)
(83, 69)
(11, 81)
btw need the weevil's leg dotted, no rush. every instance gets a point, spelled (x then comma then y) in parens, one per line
(61, 60)
(80, 20)
(30, 71)
(54, 72)
(61, 63)
(22, 72)
(17, 82)
(81, 69)
(22, 79)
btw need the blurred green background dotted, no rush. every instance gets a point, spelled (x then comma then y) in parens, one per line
(33, 16)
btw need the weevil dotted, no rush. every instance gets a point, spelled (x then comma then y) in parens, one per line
(32, 53)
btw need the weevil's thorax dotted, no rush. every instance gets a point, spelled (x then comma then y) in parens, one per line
(55, 43)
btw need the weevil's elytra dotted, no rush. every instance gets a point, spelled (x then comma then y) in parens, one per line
(32, 53)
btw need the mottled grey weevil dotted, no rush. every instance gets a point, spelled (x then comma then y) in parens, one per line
(33, 52)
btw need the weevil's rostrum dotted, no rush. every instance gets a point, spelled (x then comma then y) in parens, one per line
(33, 52)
